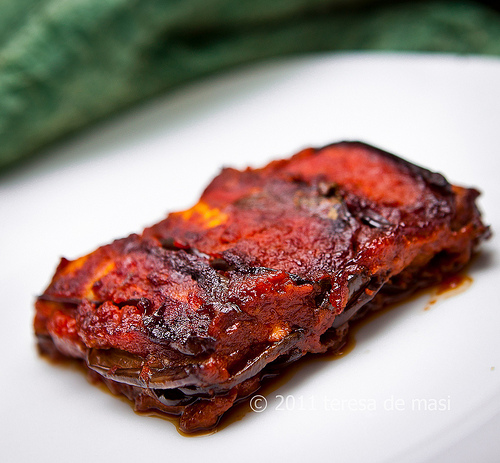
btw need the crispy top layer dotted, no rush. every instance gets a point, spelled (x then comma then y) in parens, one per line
(261, 265)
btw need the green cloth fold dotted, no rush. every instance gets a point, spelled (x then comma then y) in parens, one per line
(65, 64)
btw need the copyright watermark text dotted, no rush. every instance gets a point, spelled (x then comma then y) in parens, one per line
(259, 403)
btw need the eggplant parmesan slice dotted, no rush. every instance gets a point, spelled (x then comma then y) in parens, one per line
(270, 264)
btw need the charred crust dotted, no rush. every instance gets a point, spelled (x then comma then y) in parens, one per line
(271, 264)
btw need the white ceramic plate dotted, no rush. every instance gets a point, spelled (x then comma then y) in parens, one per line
(376, 404)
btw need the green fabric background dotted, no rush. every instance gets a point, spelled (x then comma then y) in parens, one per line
(65, 64)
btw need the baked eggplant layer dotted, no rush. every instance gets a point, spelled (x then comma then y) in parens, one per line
(269, 265)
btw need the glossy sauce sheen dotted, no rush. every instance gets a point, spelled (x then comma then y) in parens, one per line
(271, 264)
(451, 286)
